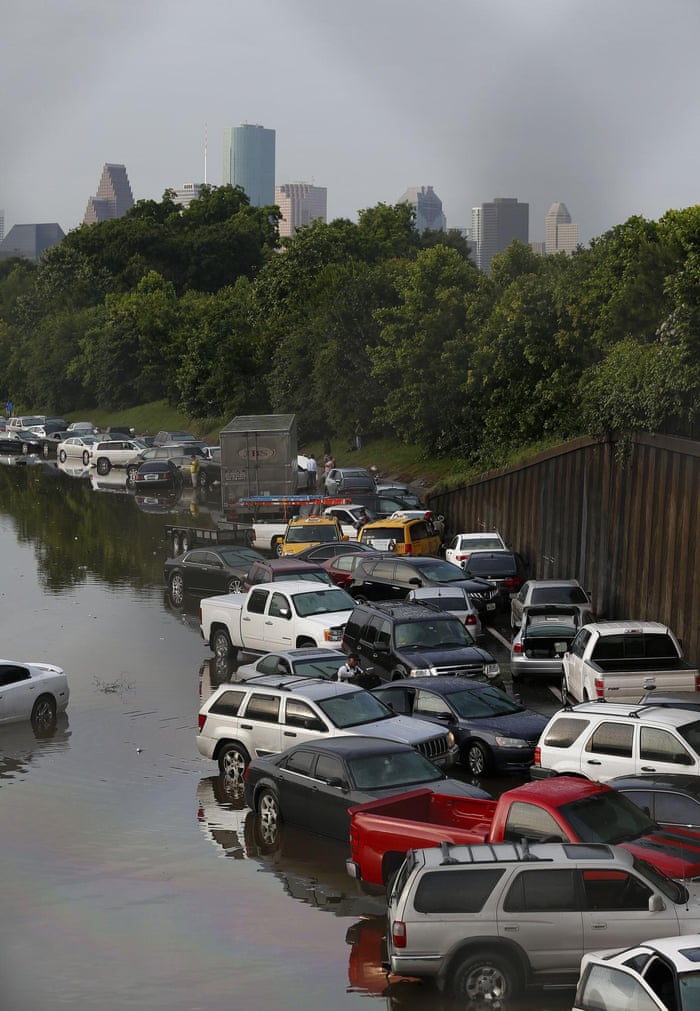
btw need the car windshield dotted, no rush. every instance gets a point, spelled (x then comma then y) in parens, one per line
(480, 543)
(673, 890)
(234, 556)
(319, 667)
(312, 532)
(322, 602)
(607, 818)
(355, 708)
(406, 768)
(480, 704)
(317, 576)
(690, 733)
(437, 631)
(558, 595)
(441, 572)
(490, 565)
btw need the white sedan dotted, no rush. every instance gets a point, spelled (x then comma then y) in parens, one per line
(32, 691)
(462, 545)
(77, 446)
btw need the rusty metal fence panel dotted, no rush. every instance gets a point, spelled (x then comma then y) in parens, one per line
(623, 520)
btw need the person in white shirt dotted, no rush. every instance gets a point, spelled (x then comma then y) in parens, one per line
(350, 670)
(312, 471)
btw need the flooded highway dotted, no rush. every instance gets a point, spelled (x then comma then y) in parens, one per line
(131, 878)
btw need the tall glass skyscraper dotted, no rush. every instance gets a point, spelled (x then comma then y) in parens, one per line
(249, 161)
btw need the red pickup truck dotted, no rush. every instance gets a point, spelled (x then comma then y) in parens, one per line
(564, 808)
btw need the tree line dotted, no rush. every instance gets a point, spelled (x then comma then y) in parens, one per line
(207, 308)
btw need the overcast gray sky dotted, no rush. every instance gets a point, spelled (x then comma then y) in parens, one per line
(592, 102)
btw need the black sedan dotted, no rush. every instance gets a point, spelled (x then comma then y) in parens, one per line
(323, 552)
(670, 799)
(387, 576)
(494, 733)
(314, 784)
(208, 570)
(157, 474)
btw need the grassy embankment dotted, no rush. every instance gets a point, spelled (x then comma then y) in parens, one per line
(392, 459)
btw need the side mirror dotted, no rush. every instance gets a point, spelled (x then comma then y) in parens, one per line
(415, 581)
(656, 904)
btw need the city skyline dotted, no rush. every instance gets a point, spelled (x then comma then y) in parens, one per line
(575, 100)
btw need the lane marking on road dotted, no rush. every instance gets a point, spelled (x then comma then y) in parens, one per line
(497, 635)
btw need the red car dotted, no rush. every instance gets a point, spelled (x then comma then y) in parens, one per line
(341, 569)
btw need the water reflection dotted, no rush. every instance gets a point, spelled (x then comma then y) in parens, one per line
(311, 869)
(21, 744)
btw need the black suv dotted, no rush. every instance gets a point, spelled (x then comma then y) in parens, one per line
(391, 577)
(507, 570)
(409, 639)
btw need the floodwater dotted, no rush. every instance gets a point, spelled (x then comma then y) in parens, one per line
(130, 878)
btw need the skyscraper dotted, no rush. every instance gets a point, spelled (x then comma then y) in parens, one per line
(300, 204)
(560, 233)
(495, 225)
(185, 194)
(31, 240)
(113, 197)
(249, 161)
(428, 207)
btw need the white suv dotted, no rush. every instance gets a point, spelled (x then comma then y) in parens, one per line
(116, 453)
(270, 713)
(600, 740)
(484, 921)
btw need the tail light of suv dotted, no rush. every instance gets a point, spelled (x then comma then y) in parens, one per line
(599, 688)
(201, 720)
(512, 582)
(538, 756)
(398, 933)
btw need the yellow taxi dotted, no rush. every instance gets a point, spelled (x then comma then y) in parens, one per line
(403, 535)
(306, 531)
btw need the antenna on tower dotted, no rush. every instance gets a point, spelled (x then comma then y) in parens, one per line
(205, 154)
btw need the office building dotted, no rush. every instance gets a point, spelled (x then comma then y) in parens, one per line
(560, 233)
(249, 162)
(113, 197)
(30, 240)
(300, 204)
(495, 225)
(185, 194)
(428, 208)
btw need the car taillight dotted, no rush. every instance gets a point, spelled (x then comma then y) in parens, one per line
(408, 549)
(538, 756)
(470, 619)
(201, 720)
(599, 690)
(461, 558)
(517, 647)
(513, 581)
(398, 933)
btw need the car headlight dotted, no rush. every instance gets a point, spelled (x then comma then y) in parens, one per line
(511, 742)
(491, 670)
(450, 739)
(420, 672)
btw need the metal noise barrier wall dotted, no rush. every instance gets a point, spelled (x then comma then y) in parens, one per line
(623, 519)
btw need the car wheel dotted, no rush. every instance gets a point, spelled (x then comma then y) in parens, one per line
(233, 761)
(25, 449)
(86, 458)
(45, 449)
(103, 465)
(177, 589)
(486, 976)
(477, 758)
(235, 585)
(269, 816)
(62, 455)
(203, 482)
(399, 674)
(131, 471)
(44, 713)
(185, 543)
(221, 645)
(278, 548)
(360, 599)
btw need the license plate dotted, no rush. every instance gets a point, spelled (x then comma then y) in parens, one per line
(152, 477)
(491, 606)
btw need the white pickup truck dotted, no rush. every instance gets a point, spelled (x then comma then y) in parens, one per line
(280, 615)
(621, 660)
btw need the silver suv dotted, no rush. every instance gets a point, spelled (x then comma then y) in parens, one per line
(270, 713)
(485, 921)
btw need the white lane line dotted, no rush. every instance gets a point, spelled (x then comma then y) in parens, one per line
(497, 635)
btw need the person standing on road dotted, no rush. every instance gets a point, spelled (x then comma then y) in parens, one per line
(350, 670)
(312, 471)
(194, 470)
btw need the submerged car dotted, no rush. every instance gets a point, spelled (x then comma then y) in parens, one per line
(208, 570)
(157, 474)
(32, 691)
(315, 783)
